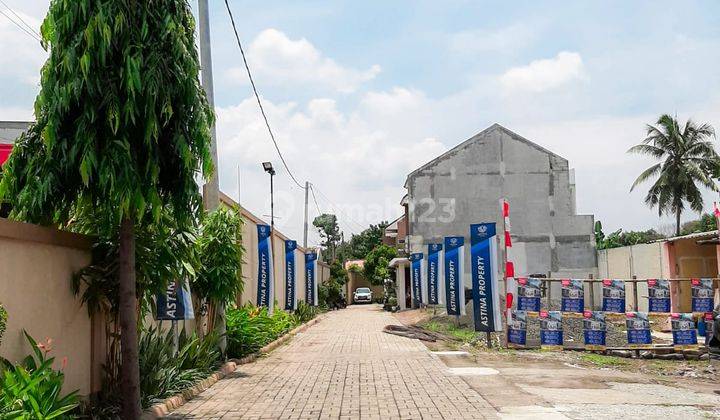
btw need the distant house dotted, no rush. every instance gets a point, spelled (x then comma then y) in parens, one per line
(9, 132)
(464, 186)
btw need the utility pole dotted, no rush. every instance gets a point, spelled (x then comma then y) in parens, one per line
(211, 196)
(212, 186)
(305, 227)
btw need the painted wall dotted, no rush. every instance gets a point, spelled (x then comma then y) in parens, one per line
(37, 264)
(643, 261)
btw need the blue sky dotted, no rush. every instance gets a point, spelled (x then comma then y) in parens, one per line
(361, 93)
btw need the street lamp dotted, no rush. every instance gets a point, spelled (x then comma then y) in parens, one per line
(267, 166)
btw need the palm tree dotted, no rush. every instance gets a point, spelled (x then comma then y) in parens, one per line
(687, 158)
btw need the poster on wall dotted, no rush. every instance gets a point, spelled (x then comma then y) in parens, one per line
(485, 290)
(434, 274)
(613, 296)
(517, 329)
(683, 331)
(702, 295)
(594, 330)
(573, 296)
(551, 330)
(416, 260)
(175, 304)
(529, 294)
(638, 329)
(658, 295)
(265, 270)
(290, 301)
(454, 275)
(311, 287)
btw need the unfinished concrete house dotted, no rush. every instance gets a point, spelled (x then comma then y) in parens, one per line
(465, 184)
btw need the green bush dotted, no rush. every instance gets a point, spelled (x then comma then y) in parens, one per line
(31, 389)
(304, 312)
(249, 328)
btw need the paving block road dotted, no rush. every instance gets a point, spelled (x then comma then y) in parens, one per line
(343, 367)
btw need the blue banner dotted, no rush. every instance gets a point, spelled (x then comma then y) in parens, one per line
(416, 276)
(175, 304)
(290, 247)
(454, 276)
(638, 328)
(702, 295)
(613, 296)
(683, 331)
(310, 280)
(265, 270)
(594, 330)
(483, 254)
(433, 273)
(573, 296)
(551, 329)
(517, 328)
(658, 295)
(529, 294)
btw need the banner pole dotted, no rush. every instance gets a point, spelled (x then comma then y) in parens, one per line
(488, 339)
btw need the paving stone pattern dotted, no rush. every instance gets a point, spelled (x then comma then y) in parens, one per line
(343, 367)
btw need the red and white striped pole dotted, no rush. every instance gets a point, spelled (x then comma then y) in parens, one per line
(510, 285)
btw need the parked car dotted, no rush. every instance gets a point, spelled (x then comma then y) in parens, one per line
(362, 294)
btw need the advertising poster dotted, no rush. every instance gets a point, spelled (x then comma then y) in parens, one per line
(485, 290)
(434, 274)
(709, 327)
(658, 295)
(638, 329)
(517, 329)
(416, 260)
(265, 270)
(594, 330)
(702, 295)
(311, 286)
(551, 331)
(454, 275)
(573, 296)
(290, 247)
(613, 296)
(529, 294)
(683, 332)
(175, 304)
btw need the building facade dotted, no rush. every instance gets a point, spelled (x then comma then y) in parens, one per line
(465, 184)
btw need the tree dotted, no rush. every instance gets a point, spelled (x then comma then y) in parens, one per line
(376, 268)
(122, 128)
(364, 242)
(329, 230)
(705, 223)
(619, 238)
(687, 158)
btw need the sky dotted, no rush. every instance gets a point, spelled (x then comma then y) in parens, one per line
(361, 93)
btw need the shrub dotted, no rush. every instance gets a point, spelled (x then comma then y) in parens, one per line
(304, 312)
(31, 389)
(249, 328)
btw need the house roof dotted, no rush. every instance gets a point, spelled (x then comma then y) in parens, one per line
(478, 136)
(11, 130)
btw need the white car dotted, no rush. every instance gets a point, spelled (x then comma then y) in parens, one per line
(362, 294)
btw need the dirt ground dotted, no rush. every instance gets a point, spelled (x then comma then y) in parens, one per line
(573, 384)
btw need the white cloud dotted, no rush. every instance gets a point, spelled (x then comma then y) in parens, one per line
(21, 56)
(505, 40)
(277, 59)
(545, 74)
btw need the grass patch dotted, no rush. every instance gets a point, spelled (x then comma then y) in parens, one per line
(601, 360)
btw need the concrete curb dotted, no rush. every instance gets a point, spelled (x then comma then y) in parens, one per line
(162, 409)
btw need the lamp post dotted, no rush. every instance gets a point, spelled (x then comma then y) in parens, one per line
(267, 166)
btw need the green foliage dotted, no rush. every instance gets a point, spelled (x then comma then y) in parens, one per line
(376, 268)
(705, 223)
(3, 321)
(220, 250)
(620, 238)
(249, 328)
(122, 123)
(304, 312)
(361, 244)
(163, 374)
(31, 390)
(687, 159)
(329, 230)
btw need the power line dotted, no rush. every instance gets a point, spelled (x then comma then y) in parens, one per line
(21, 19)
(315, 200)
(257, 96)
(20, 26)
(338, 210)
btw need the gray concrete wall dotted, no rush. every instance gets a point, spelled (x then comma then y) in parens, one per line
(464, 186)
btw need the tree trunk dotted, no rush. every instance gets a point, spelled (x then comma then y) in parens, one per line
(130, 370)
(677, 222)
